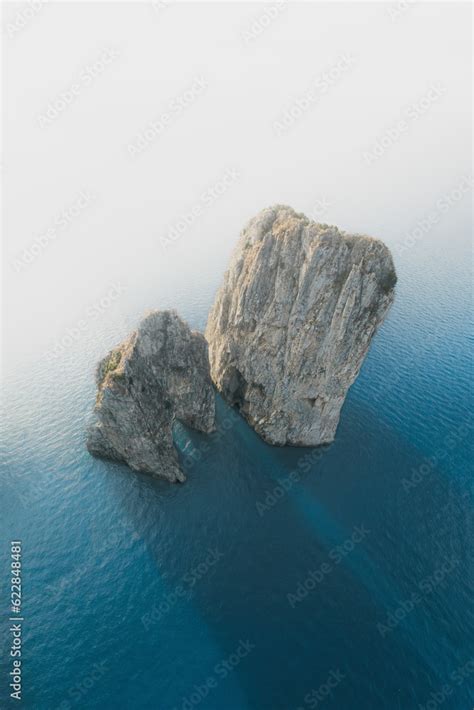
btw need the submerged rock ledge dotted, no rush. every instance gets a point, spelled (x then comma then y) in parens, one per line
(159, 374)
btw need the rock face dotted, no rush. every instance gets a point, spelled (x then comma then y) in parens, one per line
(161, 372)
(293, 321)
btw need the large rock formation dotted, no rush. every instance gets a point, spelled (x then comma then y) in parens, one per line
(293, 321)
(161, 372)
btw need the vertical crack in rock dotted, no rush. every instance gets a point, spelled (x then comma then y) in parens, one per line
(159, 374)
(292, 323)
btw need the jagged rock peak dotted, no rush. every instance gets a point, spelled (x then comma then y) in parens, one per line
(158, 374)
(293, 320)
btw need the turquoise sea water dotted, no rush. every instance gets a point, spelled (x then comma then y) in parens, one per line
(347, 584)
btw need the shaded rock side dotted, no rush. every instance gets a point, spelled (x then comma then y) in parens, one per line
(159, 374)
(292, 323)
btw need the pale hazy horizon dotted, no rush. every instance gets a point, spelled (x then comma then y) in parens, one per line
(144, 136)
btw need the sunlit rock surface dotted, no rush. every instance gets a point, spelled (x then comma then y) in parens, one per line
(159, 374)
(292, 323)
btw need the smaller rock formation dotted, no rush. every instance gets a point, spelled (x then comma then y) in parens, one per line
(159, 374)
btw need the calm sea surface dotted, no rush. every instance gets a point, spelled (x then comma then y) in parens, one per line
(348, 585)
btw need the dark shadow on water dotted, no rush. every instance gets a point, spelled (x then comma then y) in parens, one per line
(357, 481)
